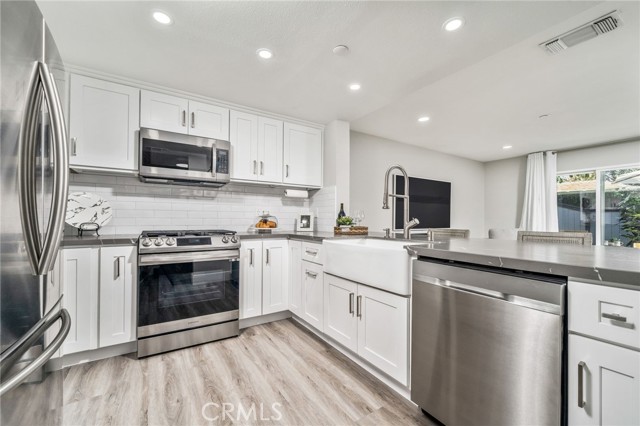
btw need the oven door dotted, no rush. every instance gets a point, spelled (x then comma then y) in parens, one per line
(178, 291)
(174, 156)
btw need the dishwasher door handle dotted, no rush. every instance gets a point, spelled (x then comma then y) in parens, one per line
(461, 287)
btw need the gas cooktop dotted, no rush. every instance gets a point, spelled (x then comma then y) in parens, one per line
(187, 240)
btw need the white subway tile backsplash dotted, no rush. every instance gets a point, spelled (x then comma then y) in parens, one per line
(140, 206)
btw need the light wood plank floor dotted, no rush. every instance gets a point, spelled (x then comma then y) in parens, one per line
(287, 374)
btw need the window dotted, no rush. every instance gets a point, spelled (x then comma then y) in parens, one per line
(596, 201)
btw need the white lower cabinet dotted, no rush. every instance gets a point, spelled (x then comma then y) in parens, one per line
(79, 269)
(371, 322)
(610, 378)
(264, 277)
(118, 269)
(99, 293)
(312, 294)
(250, 279)
(604, 357)
(295, 277)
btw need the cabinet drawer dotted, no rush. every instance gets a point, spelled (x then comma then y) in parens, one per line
(609, 313)
(312, 252)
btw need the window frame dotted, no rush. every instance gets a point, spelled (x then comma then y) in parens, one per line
(599, 240)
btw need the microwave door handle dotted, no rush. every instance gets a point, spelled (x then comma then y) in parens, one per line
(60, 153)
(213, 160)
(27, 173)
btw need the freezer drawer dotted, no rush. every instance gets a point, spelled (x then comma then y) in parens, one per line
(481, 356)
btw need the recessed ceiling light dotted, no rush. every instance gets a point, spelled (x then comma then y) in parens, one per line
(354, 87)
(423, 119)
(453, 24)
(265, 53)
(341, 50)
(162, 17)
(507, 147)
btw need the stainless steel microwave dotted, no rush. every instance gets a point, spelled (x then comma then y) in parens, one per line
(167, 157)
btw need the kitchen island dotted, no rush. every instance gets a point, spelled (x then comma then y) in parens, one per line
(603, 264)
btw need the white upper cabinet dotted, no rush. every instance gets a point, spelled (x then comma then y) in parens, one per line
(179, 115)
(163, 112)
(208, 121)
(244, 146)
(256, 148)
(270, 141)
(103, 121)
(302, 155)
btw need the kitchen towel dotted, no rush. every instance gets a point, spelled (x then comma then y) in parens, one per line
(296, 193)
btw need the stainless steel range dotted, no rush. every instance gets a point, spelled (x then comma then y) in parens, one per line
(188, 288)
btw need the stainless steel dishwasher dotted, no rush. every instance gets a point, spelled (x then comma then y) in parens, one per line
(487, 344)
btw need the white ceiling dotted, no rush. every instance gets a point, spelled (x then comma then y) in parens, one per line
(483, 86)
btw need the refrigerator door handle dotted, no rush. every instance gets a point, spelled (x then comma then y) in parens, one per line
(55, 227)
(27, 173)
(42, 254)
(25, 343)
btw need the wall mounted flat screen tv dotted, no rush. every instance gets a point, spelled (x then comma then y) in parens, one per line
(430, 202)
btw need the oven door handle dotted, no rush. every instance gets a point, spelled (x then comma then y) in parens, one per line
(205, 256)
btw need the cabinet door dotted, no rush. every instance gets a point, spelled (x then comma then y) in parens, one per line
(295, 277)
(383, 331)
(244, 146)
(163, 112)
(208, 121)
(302, 155)
(610, 383)
(103, 121)
(270, 141)
(275, 274)
(79, 274)
(118, 269)
(250, 279)
(340, 322)
(312, 295)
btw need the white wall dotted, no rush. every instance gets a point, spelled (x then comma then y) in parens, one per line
(504, 192)
(620, 154)
(336, 160)
(370, 158)
(505, 179)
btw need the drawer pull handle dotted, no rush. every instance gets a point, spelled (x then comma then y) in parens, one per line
(581, 401)
(614, 317)
(351, 297)
(311, 252)
(311, 274)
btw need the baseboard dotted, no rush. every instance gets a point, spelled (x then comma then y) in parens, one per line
(93, 355)
(397, 387)
(263, 319)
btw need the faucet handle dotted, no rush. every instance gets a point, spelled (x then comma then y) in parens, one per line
(387, 232)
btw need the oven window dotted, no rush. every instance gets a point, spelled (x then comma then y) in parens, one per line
(178, 156)
(186, 290)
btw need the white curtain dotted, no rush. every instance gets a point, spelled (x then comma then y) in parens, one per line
(540, 208)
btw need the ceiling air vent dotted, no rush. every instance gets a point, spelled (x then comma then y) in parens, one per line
(602, 25)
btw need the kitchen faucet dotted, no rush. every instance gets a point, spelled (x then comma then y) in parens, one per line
(408, 224)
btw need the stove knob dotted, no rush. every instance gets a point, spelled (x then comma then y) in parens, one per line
(171, 241)
(159, 242)
(146, 242)
(225, 239)
(234, 239)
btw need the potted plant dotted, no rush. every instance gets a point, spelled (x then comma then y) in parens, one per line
(345, 221)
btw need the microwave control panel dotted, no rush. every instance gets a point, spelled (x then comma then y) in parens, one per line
(222, 161)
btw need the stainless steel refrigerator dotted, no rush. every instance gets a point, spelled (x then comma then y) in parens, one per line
(33, 193)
